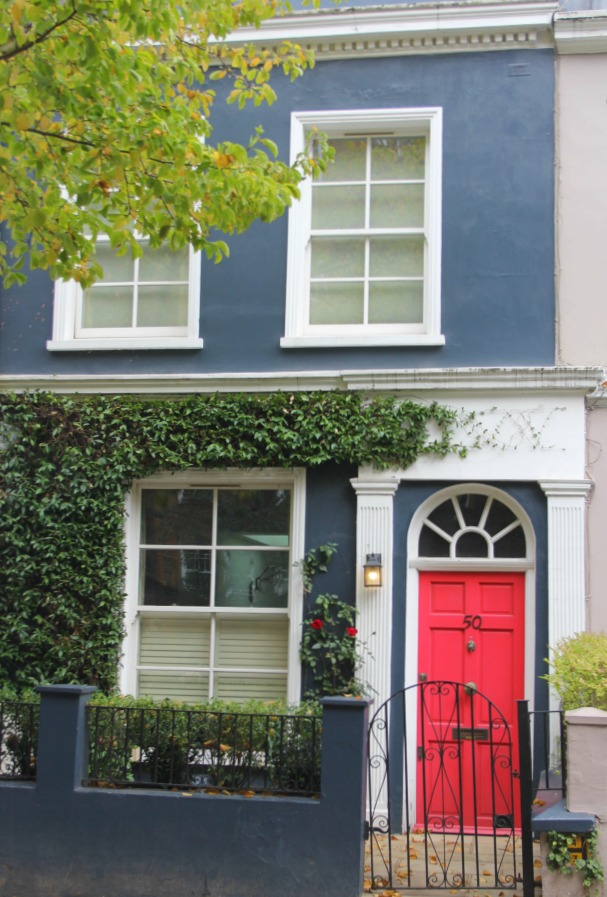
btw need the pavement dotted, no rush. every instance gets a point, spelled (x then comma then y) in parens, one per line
(439, 863)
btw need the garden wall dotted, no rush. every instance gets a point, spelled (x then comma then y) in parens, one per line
(60, 839)
(585, 808)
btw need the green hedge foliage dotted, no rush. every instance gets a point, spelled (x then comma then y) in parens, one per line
(66, 464)
(578, 671)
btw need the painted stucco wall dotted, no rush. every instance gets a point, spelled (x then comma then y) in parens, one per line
(597, 519)
(582, 208)
(65, 840)
(586, 792)
(581, 281)
(497, 260)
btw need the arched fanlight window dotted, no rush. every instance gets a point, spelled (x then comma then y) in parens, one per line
(472, 525)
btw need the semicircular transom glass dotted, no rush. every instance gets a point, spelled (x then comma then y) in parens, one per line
(472, 525)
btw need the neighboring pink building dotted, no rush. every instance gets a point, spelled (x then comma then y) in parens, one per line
(581, 265)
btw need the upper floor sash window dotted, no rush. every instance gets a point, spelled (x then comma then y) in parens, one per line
(151, 302)
(365, 238)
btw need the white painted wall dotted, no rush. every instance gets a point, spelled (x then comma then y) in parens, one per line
(521, 437)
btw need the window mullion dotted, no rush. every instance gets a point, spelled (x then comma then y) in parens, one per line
(212, 655)
(135, 310)
(367, 281)
(213, 617)
(367, 228)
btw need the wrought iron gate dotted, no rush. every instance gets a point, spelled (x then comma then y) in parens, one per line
(443, 806)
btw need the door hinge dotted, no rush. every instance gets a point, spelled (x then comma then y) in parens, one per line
(420, 753)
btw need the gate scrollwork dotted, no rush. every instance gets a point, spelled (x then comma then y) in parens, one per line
(442, 810)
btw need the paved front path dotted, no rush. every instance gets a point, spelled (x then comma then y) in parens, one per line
(455, 864)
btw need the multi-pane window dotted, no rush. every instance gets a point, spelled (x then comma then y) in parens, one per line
(137, 296)
(213, 583)
(144, 303)
(364, 242)
(367, 234)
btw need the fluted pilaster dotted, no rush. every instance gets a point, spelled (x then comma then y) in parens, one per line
(566, 558)
(374, 534)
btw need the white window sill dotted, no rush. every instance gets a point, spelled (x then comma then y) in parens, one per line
(361, 341)
(121, 343)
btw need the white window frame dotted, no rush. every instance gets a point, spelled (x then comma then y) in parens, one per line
(295, 481)
(66, 337)
(299, 333)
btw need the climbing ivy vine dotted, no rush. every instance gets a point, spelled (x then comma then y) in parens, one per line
(67, 463)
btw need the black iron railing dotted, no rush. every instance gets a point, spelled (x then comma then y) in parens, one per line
(213, 751)
(18, 740)
(549, 756)
(542, 774)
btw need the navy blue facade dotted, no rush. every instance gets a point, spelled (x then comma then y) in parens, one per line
(63, 840)
(406, 502)
(497, 258)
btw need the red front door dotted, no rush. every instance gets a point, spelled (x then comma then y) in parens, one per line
(471, 630)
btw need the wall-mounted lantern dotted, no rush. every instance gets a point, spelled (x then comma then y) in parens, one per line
(372, 571)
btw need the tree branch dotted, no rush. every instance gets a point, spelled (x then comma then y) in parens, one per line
(12, 49)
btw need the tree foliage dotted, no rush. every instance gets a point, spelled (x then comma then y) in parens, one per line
(106, 126)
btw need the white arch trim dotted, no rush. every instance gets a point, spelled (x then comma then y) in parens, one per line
(416, 563)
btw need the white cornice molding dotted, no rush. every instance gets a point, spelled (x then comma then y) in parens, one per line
(409, 28)
(580, 380)
(576, 379)
(598, 398)
(386, 484)
(575, 489)
(581, 32)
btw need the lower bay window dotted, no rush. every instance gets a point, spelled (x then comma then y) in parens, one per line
(214, 605)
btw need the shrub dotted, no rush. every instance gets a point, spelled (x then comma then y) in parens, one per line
(578, 671)
(222, 745)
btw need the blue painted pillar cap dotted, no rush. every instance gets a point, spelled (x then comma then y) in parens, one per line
(66, 690)
(63, 737)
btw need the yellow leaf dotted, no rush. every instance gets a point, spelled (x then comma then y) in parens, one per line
(23, 121)
(222, 160)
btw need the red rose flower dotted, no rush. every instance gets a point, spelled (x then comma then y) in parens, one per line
(351, 631)
(316, 624)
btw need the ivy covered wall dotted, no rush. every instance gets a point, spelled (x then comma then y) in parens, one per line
(67, 463)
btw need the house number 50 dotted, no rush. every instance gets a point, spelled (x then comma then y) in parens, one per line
(475, 622)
